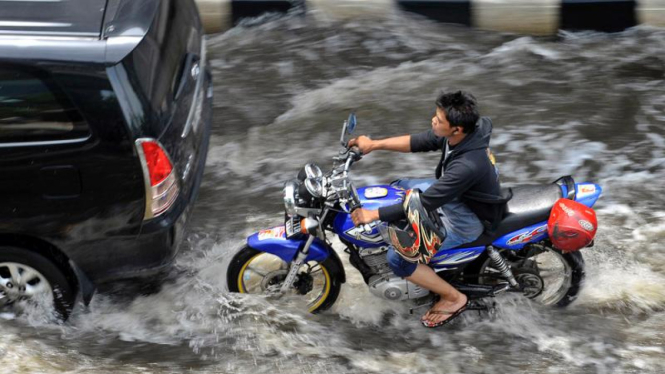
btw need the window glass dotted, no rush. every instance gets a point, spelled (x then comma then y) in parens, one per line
(33, 109)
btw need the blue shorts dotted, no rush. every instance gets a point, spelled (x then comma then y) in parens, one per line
(397, 263)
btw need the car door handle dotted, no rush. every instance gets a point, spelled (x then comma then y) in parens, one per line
(190, 73)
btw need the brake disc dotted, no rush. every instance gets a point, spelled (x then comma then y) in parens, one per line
(304, 283)
(273, 280)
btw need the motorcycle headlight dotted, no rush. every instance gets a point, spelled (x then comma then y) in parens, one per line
(314, 187)
(289, 191)
(310, 171)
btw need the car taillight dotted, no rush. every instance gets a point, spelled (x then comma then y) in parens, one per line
(161, 184)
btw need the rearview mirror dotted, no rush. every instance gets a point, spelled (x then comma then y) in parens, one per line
(351, 123)
(348, 127)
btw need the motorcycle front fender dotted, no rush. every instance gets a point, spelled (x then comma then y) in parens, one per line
(274, 241)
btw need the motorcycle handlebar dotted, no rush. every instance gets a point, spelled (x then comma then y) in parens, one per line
(356, 153)
(367, 228)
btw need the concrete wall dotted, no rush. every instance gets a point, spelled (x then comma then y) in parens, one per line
(536, 17)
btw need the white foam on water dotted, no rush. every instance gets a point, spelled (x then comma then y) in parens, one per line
(626, 286)
(644, 345)
(511, 50)
(356, 303)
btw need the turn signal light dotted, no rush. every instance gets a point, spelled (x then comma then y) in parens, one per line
(309, 226)
(159, 175)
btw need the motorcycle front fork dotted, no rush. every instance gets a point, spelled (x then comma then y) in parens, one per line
(295, 265)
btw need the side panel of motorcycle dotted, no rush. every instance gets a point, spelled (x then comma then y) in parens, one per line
(274, 241)
(585, 193)
(518, 239)
(371, 197)
(451, 258)
(588, 193)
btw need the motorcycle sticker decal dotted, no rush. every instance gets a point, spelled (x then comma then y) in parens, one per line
(456, 258)
(359, 233)
(376, 192)
(273, 233)
(586, 190)
(292, 227)
(588, 226)
(527, 236)
(566, 209)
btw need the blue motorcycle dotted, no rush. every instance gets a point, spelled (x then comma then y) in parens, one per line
(297, 258)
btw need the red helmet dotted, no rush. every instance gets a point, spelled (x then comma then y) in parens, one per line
(419, 237)
(572, 225)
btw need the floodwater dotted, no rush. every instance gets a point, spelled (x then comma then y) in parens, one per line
(586, 104)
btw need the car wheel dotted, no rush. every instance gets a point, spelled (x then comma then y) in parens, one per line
(28, 277)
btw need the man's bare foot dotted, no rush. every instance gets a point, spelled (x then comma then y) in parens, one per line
(444, 309)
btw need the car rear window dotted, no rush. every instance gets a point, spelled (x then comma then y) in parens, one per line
(34, 109)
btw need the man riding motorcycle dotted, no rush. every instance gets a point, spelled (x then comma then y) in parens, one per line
(466, 192)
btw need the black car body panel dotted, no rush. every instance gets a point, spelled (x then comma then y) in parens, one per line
(80, 188)
(81, 18)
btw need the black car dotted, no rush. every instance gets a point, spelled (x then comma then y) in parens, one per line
(105, 109)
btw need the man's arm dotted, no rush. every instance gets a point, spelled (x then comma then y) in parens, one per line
(397, 144)
(422, 142)
(426, 142)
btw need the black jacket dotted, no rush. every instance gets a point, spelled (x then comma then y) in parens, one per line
(466, 173)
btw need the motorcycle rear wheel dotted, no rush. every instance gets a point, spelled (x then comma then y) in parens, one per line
(562, 275)
(255, 272)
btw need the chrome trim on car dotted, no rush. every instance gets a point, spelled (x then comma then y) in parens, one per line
(46, 142)
(33, 24)
(196, 104)
(48, 35)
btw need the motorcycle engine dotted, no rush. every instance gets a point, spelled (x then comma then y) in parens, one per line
(384, 283)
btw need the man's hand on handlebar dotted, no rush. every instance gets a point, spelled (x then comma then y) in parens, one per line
(364, 143)
(362, 216)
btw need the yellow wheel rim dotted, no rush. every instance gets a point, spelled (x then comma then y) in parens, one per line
(253, 273)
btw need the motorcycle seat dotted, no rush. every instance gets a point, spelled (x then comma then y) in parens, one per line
(529, 205)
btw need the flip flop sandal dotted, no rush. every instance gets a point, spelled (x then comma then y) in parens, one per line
(452, 315)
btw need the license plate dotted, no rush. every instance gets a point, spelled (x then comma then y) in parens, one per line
(292, 226)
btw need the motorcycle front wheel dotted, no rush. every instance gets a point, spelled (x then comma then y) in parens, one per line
(256, 272)
(549, 277)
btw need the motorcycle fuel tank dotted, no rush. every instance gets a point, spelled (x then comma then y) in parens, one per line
(371, 197)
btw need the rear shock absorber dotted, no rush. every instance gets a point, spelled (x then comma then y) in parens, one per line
(500, 264)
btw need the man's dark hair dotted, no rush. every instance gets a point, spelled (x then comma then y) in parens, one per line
(460, 109)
